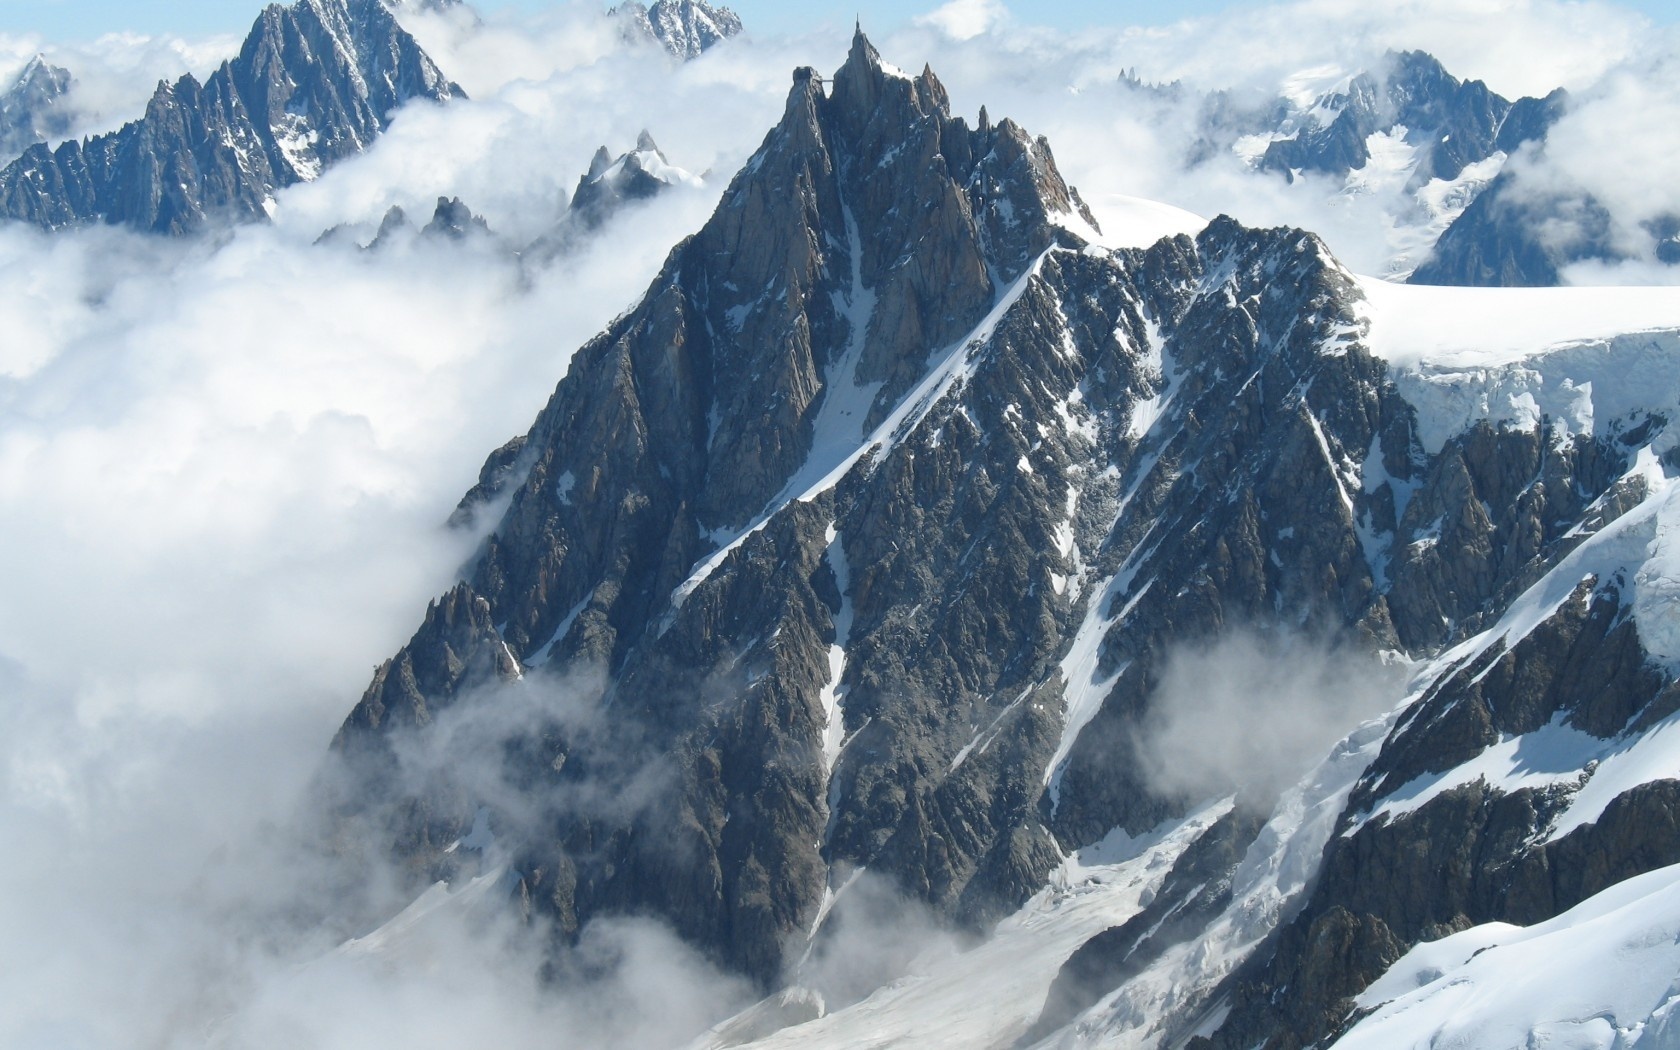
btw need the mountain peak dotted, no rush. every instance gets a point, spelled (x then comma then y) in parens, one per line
(33, 69)
(858, 83)
(598, 164)
(867, 241)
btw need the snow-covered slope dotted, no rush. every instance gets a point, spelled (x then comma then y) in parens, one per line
(988, 995)
(1604, 975)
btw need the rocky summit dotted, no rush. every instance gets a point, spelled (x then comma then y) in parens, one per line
(863, 550)
(313, 83)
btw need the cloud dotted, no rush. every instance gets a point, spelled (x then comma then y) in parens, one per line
(965, 19)
(1617, 145)
(1254, 712)
(871, 935)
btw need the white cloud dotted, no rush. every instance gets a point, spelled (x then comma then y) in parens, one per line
(966, 19)
(1619, 143)
(1255, 712)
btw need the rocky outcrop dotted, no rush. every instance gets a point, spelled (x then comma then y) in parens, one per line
(455, 648)
(313, 83)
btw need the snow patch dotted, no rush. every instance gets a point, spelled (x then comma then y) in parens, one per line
(1390, 164)
(833, 694)
(1489, 327)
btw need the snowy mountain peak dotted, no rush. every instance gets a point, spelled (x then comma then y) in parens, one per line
(685, 28)
(606, 187)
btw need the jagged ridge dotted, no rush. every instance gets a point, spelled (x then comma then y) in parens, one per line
(312, 84)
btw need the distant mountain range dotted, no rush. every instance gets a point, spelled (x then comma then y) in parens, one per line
(1410, 127)
(685, 28)
(313, 83)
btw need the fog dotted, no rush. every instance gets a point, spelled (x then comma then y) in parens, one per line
(225, 463)
(1253, 712)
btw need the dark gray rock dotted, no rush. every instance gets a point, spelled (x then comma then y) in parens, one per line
(452, 219)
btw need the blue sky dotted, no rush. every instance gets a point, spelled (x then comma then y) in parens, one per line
(68, 20)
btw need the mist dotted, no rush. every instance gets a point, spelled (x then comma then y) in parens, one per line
(225, 465)
(1253, 712)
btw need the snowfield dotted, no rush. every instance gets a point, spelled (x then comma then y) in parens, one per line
(1604, 975)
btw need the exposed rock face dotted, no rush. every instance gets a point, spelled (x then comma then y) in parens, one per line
(861, 541)
(454, 646)
(685, 28)
(312, 84)
(34, 108)
(776, 338)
